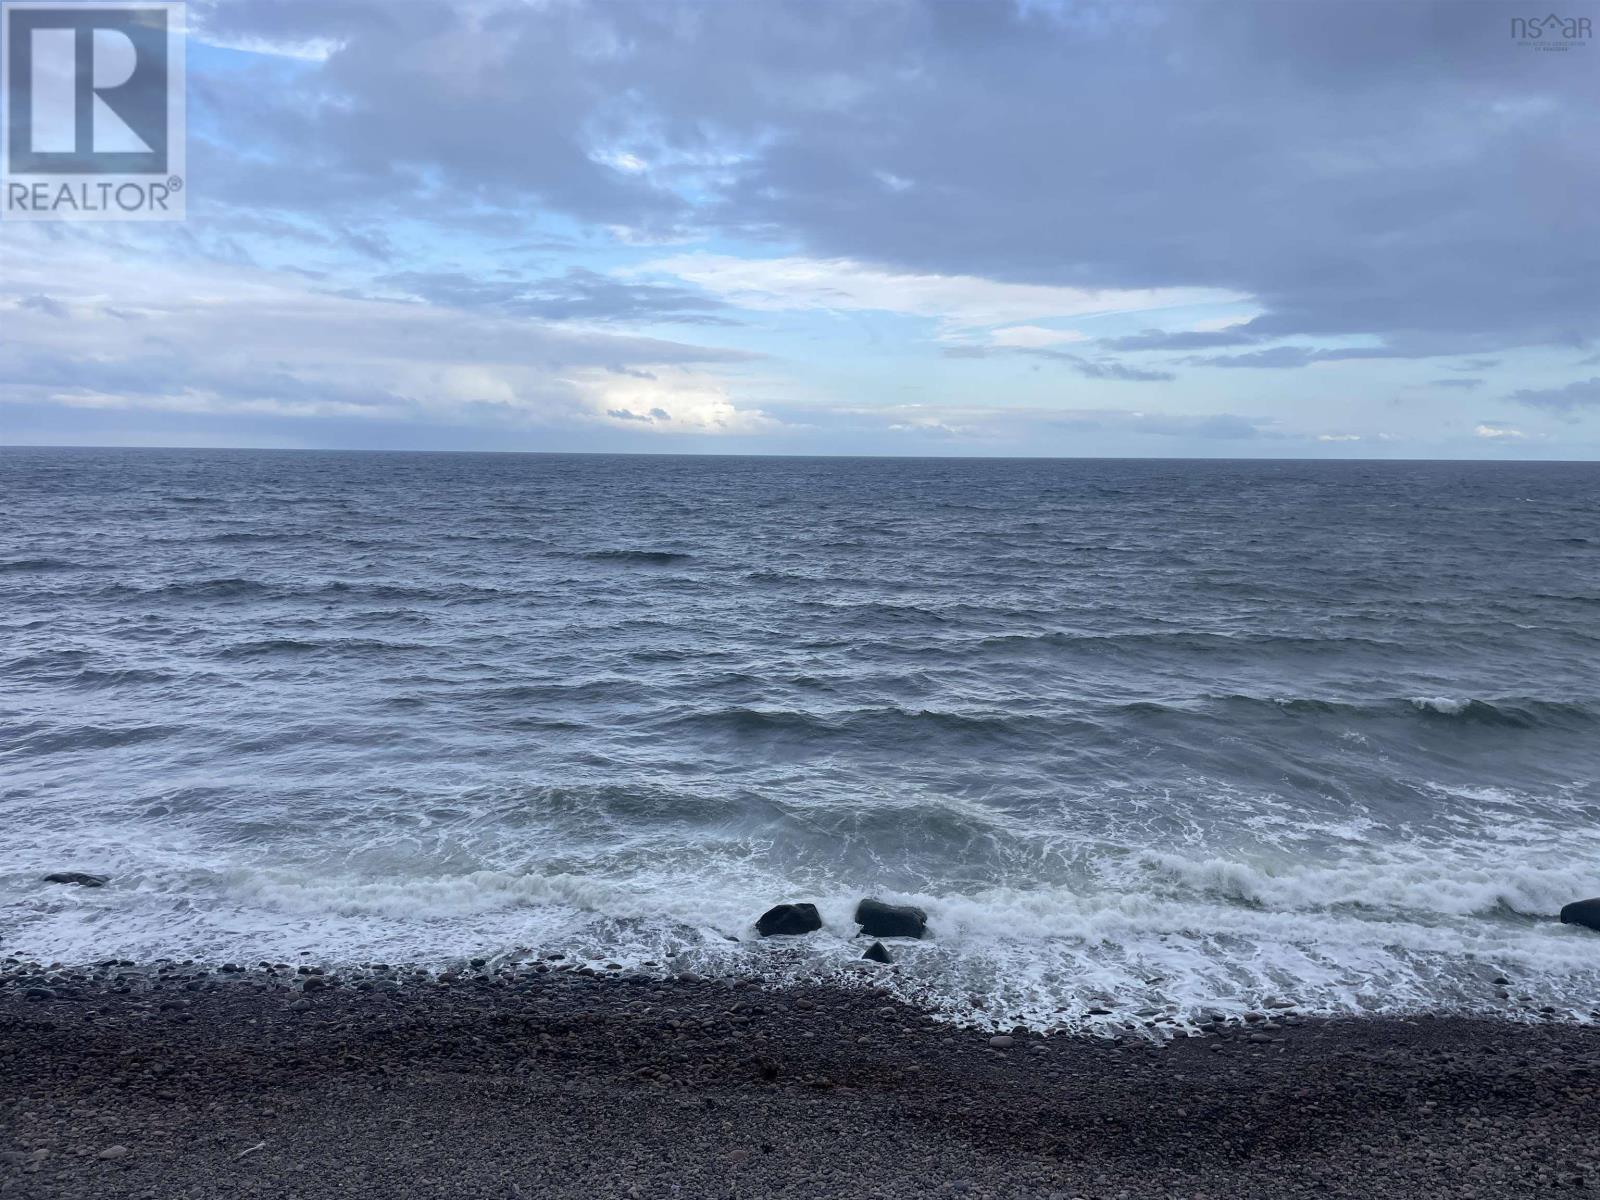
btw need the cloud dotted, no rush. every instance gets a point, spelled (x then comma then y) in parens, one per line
(1032, 337)
(39, 302)
(655, 414)
(1298, 356)
(1582, 393)
(1498, 432)
(677, 406)
(1377, 170)
(251, 342)
(576, 295)
(959, 301)
(1105, 369)
(1183, 339)
(1359, 183)
(1461, 385)
(1089, 368)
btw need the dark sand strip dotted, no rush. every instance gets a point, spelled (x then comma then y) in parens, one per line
(558, 1085)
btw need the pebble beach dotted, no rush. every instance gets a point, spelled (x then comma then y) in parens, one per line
(173, 1080)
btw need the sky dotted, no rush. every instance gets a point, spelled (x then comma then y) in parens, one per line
(965, 227)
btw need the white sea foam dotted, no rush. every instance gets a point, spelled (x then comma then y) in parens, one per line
(1414, 927)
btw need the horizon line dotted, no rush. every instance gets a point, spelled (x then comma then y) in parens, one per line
(15, 446)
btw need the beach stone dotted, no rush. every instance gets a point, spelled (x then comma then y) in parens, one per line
(878, 953)
(1003, 1041)
(1582, 912)
(879, 920)
(788, 920)
(112, 1152)
(78, 878)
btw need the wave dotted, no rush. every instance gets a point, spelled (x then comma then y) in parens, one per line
(471, 894)
(1423, 883)
(1516, 712)
(883, 612)
(743, 720)
(250, 537)
(581, 690)
(48, 660)
(1513, 712)
(1178, 639)
(785, 578)
(650, 558)
(456, 593)
(269, 647)
(121, 677)
(1187, 935)
(38, 564)
(79, 738)
(231, 588)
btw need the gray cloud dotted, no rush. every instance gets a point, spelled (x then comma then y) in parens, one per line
(1101, 368)
(1277, 356)
(1392, 170)
(1582, 393)
(1155, 339)
(624, 414)
(1462, 385)
(577, 295)
(39, 302)
(1305, 356)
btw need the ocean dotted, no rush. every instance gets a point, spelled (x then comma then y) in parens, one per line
(1140, 736)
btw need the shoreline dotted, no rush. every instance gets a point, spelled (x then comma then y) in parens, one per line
(177, 1080)
(1101, 1016)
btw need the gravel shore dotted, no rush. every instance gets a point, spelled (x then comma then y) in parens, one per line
(181, 1081)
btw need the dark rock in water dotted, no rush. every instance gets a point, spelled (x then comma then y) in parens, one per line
(789, 919)
(877, 953)
(79, 878)
(878, 919)
(1582, 912)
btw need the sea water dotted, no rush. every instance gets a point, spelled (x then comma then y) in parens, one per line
(1171, 735)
